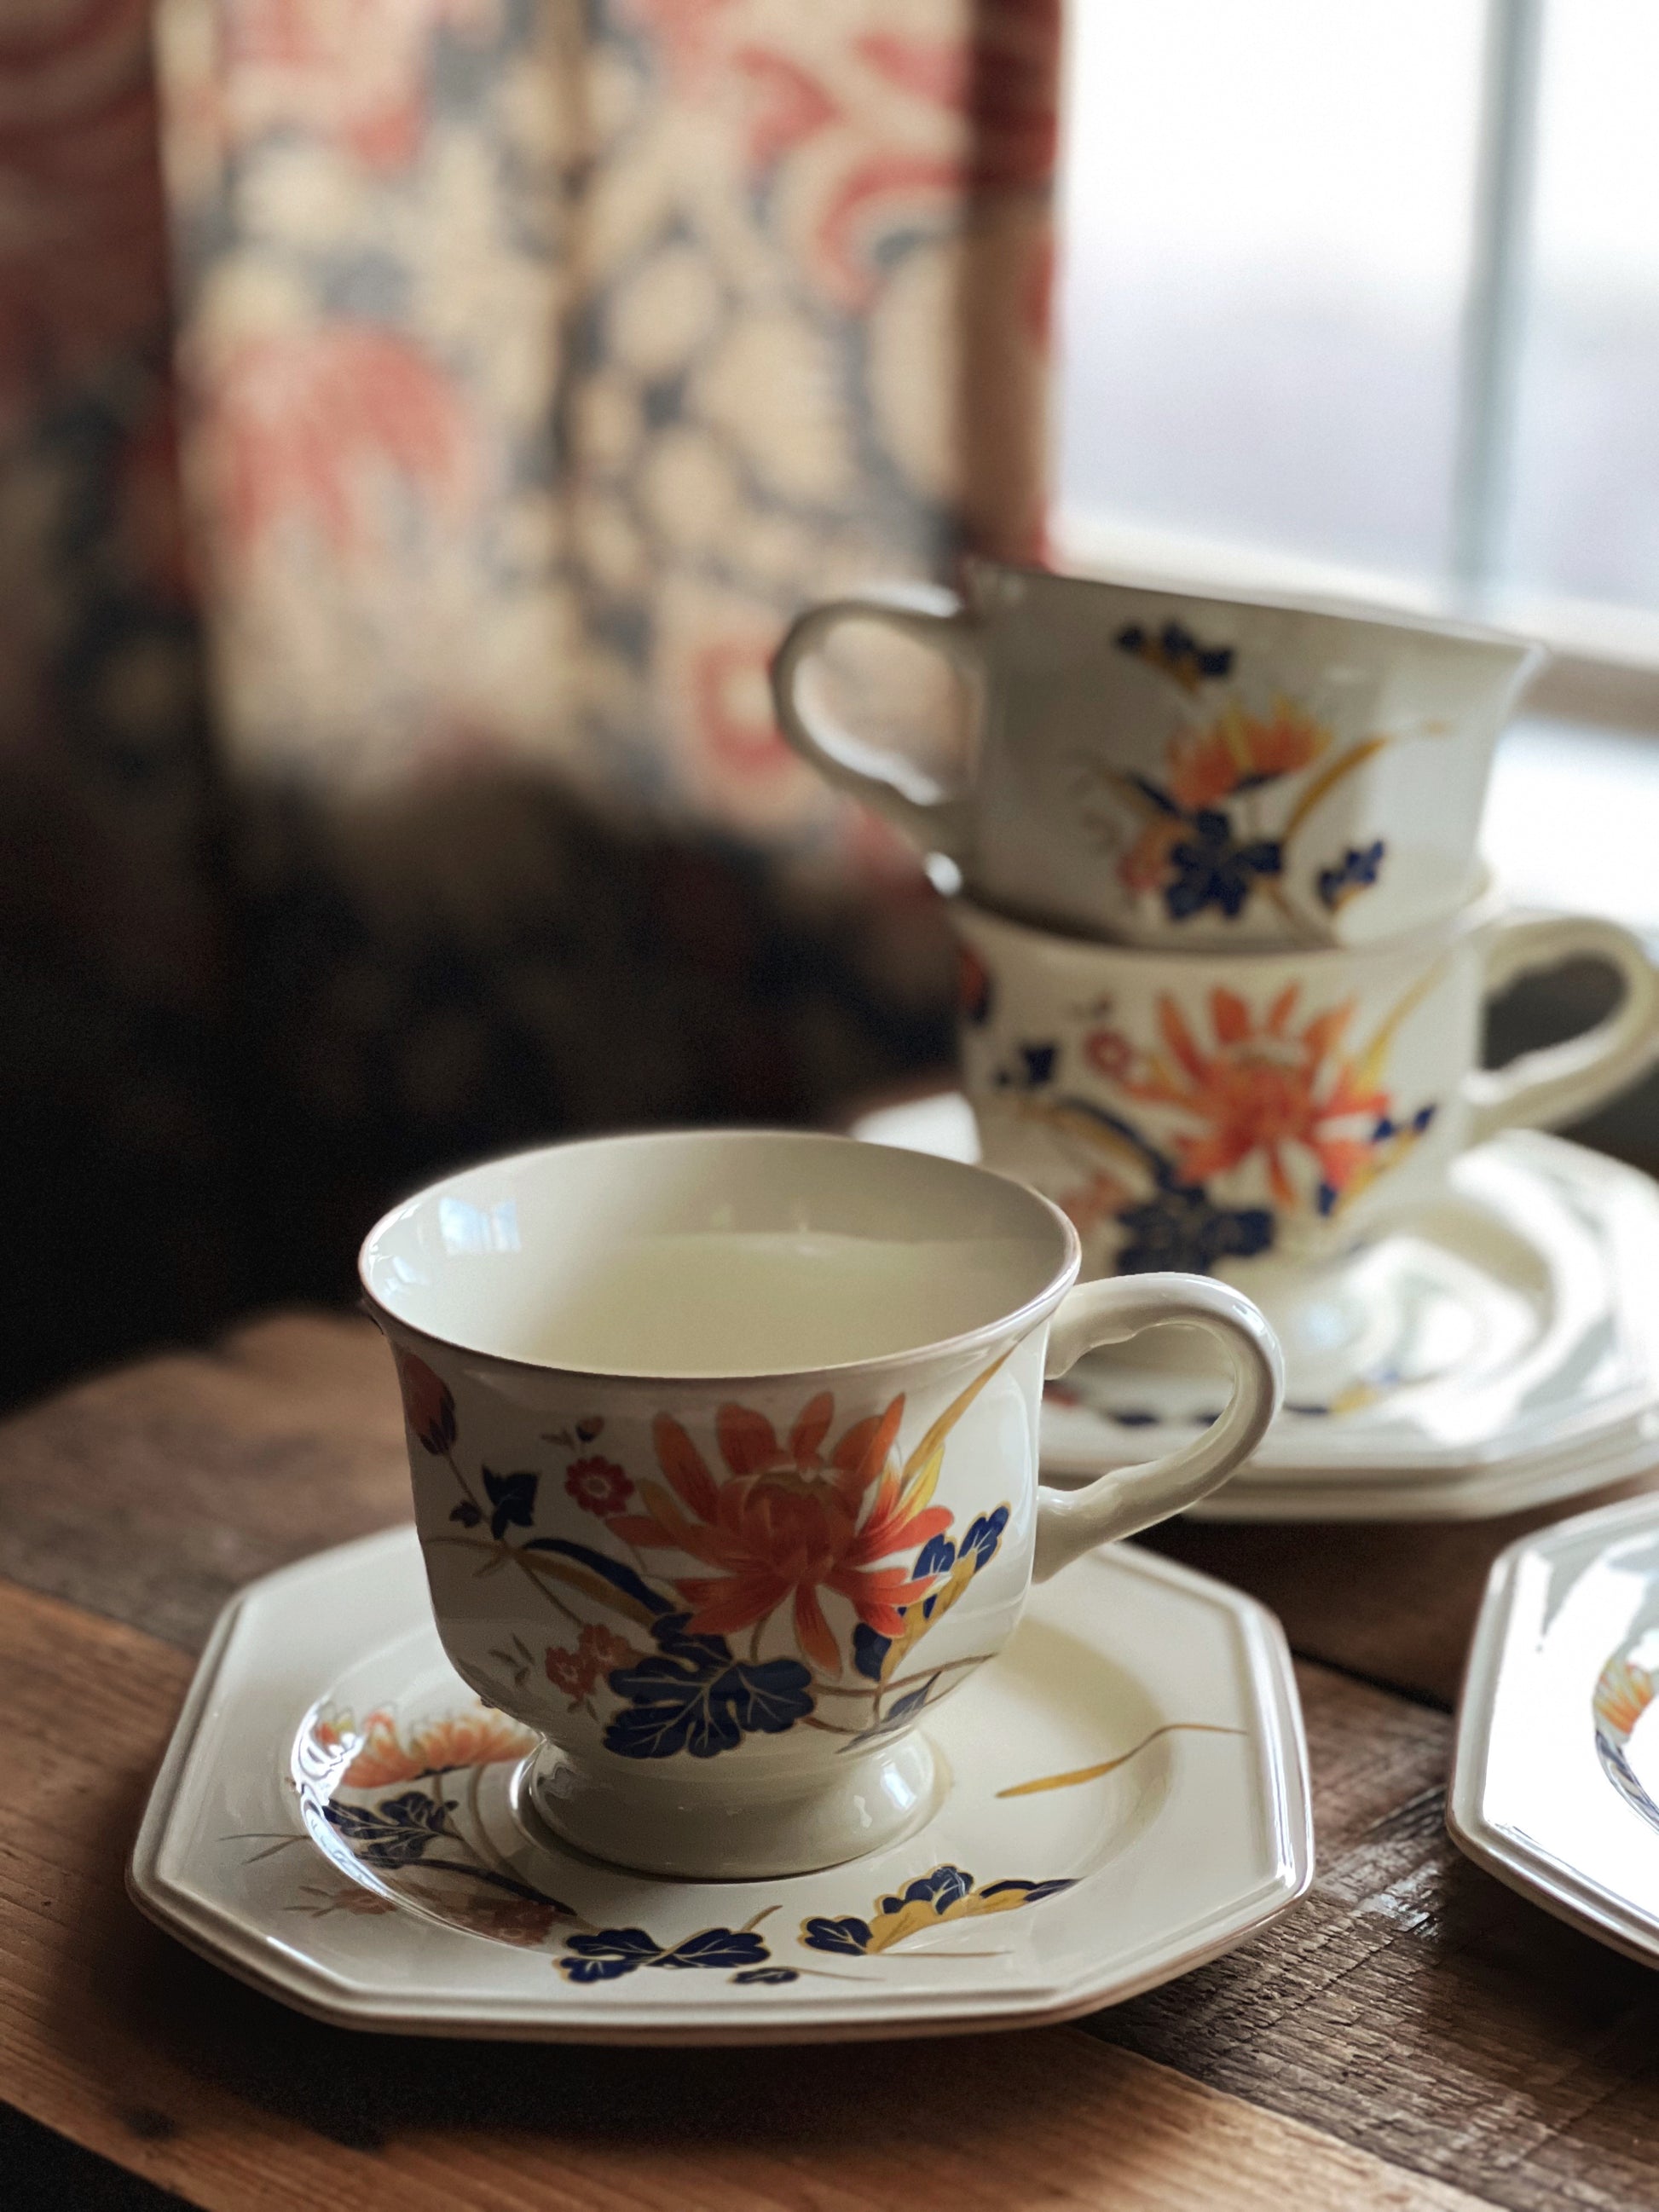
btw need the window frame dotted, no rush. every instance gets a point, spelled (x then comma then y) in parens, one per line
(1604, 664)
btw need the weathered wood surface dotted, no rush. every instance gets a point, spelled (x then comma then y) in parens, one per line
(1392, 1602)
(1410, 2030)
(153, 1493)
(1414, 2007)
(122, 2041)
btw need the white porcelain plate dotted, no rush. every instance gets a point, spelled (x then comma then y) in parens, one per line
(1500, 1352)
(337, 1820)
(1555, 1786)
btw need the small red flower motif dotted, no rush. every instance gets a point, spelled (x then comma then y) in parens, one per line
(599, 1485)
(428, 1403)
(577, 1669)
(1109, 1053)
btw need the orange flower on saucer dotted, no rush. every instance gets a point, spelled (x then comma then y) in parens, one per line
(1239, 749)
(475, 1739)
(1265, 1088)
(1622, 1694)
(788, 1523)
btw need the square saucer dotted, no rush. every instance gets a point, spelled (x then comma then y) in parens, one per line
(1522, 1364)
(338, 1821)
(1555, 1782)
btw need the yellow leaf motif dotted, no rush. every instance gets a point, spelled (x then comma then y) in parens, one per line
(921, 1469)
(1070, 1781)
(919, 1618)
(948, 1892)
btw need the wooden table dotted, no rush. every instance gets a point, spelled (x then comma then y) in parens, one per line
(1411, 2035)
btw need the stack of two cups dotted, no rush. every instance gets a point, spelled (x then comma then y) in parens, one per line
(1226, 935)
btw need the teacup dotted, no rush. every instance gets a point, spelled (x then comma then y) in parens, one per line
(1231, 1113)
(1182, 772)
(724, 1461)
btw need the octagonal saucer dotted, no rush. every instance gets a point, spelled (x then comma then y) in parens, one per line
(1555, 1783)
(338, 1821)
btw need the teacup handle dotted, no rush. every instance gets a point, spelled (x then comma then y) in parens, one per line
(1562, 1081)
(1071, 1522)
(934, 819)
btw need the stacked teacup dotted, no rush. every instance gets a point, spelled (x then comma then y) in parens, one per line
(1226, 935)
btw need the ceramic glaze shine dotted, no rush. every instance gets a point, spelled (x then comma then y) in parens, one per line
(754, 1301)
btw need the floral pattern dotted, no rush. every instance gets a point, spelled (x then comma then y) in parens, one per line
(429, 1848)
(788, 1523)
(599, 1485)
(1212, 833)
(380, 1756)
(948, 1893)
(529, 367)
(398, 1839)
(713, 261)
(791, 1526)
(576, 1671)
(1264, 1088)
(1268, 1089)
(1623, 1693)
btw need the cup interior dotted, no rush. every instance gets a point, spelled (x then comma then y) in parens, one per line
(716, 1253)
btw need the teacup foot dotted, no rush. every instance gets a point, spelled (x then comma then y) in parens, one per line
(698, 1827)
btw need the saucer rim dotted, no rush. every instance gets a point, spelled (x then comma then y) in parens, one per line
(1522, 1864)
(224, 1940)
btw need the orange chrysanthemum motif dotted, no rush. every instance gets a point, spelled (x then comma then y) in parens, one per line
(1265, 1089)
(1622, 1694)
(476, 1739)
(788, 1523)
(1241, 749)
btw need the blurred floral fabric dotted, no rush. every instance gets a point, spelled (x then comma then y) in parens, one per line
(545, 358)
(418, 420)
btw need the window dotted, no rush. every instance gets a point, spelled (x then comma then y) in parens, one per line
(1365, 297)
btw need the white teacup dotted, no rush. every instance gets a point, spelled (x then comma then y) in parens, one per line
(725, 1458)
(1238, 1112)
(1179, 771)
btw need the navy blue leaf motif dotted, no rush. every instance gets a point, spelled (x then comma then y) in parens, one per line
(898, 1714)
(1356, 871)
(1211, 870)
(983, 1537)
(937, 1557)
(467, 1514)
(514, 1498)
(613, 1952)
(869, 1650)
(610, 1953)
(396, 1833)
(1033, 1892)
(772, 1975)
(696, 1698)
(613, 1571)
(945, 1884)
(847, 1938)
(717, 1947)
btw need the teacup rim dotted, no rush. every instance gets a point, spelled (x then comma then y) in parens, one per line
(1017, 1322)
(1488, 902)
(1532, 654)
